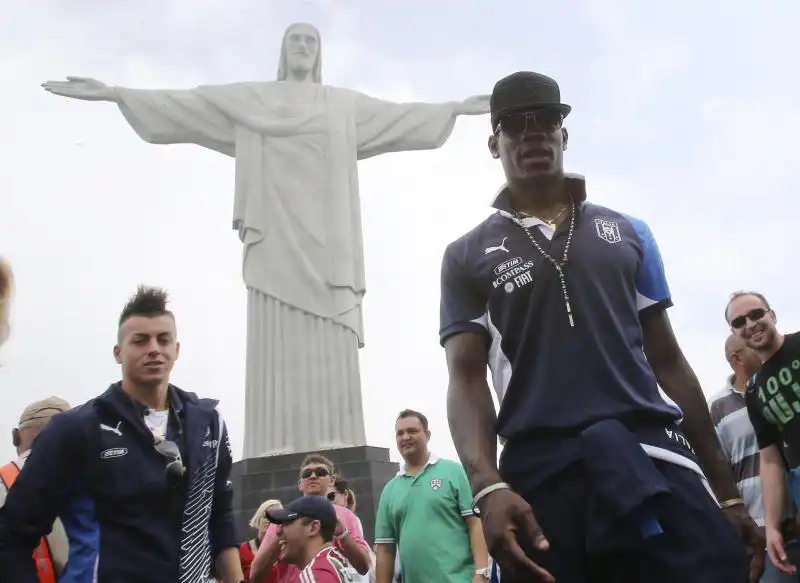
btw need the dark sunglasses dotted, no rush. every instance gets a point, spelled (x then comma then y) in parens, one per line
(516, 124)
(172, 454)
(318, 472)
(753, 315)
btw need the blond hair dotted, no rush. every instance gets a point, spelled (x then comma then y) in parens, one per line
(255, 522)
(6, 291)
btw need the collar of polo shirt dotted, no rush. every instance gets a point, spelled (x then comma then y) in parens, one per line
(432, 459)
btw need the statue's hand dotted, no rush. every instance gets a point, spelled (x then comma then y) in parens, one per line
(475, 105)
(81, 88)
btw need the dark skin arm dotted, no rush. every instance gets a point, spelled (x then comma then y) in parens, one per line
(472, 419)
(470, 410)
(678, 380)
(680, 383)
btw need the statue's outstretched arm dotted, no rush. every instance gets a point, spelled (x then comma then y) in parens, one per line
(82, 88)
(158, 116)
(384, 126)
(475, 105)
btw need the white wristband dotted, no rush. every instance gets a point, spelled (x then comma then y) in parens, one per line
(488, 490)
(345, 532)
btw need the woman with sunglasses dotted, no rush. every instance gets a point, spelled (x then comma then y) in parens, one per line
(341, 494)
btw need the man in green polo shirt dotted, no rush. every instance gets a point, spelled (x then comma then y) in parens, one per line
(425, 514)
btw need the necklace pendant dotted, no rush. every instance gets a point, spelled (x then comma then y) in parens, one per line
(571, 321)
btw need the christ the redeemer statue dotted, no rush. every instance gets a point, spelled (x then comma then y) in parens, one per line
(296, 207)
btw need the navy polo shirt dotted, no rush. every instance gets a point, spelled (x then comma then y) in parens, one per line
(551, 378)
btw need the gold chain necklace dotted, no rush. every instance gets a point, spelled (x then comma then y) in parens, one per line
(551, 222)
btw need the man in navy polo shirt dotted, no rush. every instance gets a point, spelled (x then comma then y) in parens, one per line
(566, 302)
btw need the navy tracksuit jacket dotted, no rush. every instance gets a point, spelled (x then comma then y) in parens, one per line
(96, 468)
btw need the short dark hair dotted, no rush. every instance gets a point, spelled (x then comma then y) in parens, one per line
(343, 487)
(341, 484)
(318, 459)
(149, 302)
(325, 530)
(742, 293)
(406, 413)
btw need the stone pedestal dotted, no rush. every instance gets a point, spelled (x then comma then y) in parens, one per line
(367, 470)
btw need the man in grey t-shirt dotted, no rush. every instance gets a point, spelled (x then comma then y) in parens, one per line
(738, 439)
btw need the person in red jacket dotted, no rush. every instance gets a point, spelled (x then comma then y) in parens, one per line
(259, 523)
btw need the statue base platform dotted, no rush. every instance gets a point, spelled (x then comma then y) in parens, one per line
(366, 468)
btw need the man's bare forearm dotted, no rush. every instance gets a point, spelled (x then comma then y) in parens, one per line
(356, 554)
(684, 388)
(384, 562)
(470, 410)
(477, 542)
(773, 485)
(472, 420)
(678, 380)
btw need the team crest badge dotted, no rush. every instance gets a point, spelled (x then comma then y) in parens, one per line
(608, 231)
(436, 483)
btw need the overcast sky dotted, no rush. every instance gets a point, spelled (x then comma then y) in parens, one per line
(685, 114)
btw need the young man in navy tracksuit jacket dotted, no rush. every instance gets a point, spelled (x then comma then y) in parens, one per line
(138, 475)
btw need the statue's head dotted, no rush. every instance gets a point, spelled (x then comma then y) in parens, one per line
(301, 54)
